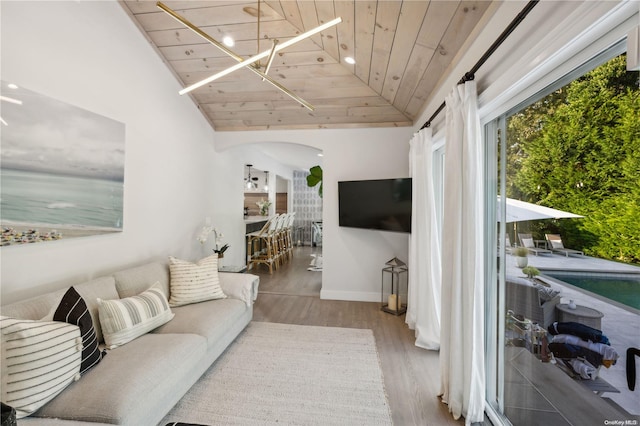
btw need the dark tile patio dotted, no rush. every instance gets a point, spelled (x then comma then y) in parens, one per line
(620, 323)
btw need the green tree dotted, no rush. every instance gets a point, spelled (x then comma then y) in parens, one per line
(522, 128)
(580, 151)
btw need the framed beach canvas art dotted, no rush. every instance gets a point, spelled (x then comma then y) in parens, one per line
(61, 169)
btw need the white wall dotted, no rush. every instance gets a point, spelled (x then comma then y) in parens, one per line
(353, 258)
(90, 54)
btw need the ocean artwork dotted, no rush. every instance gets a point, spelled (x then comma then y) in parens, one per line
(61, 169)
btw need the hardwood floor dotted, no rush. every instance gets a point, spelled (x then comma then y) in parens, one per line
(291, 295)
(292, 277)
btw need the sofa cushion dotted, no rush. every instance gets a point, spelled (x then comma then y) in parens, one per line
(194, 282)
(34, 308)
(210, 319)
(99, 288)
(38, 307)
(133, 281)
(39, 360)
(131, 380)
(72, 309)
(125, 319)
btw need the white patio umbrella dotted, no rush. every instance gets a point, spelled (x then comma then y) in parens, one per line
(520, 211)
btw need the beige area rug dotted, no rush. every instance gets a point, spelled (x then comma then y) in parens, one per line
(292, 375)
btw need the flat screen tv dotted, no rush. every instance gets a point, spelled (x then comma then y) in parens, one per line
(382, 204)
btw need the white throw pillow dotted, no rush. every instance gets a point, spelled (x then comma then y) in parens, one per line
(557, 244)
(194, 282)
(123, 320)
(39, 360)
(546, 293)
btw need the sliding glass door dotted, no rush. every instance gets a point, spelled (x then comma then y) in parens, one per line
(570, 147)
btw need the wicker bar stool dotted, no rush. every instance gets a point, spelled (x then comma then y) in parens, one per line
(288, 237)
(284, 237)
(260, 246)
(278, 238)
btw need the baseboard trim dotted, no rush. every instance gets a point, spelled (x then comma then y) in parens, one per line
(352, 296)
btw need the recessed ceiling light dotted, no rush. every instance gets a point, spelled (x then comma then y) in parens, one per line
(350, 60)
(228, 41)
(12, 86)
(320, 154)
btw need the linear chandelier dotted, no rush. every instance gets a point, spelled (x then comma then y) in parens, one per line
(250, 62)
(10, 100)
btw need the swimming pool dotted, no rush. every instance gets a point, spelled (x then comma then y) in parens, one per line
(621, 288)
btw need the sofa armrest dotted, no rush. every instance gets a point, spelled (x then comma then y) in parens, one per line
(240, 286)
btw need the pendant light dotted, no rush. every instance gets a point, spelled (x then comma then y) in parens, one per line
(250, 181)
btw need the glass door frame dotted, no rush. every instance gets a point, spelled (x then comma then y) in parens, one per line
(495, 136)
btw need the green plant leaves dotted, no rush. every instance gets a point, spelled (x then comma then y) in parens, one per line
(315, 177)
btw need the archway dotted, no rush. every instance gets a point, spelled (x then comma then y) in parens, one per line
(282, 167)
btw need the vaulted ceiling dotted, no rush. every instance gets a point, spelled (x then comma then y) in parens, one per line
(401, 49)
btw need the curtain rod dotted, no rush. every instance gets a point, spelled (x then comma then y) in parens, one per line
(469, 76)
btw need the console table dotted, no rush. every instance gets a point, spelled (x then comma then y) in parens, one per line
(238, 269)
(581, 314)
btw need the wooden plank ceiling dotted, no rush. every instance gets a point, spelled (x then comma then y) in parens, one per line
(401, 50)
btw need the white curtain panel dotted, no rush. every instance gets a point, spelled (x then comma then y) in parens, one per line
(423, 300)
(462, 365)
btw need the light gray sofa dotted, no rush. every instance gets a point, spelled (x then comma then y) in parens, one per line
(139, 382)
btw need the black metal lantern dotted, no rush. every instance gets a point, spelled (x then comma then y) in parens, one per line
(394, 287)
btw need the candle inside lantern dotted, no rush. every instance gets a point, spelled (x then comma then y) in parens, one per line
(392, 302)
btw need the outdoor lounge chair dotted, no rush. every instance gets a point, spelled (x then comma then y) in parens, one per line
(508, 247)
(555, 242)
(526, 240)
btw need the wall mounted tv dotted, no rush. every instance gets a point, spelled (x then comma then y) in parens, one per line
(383, 204)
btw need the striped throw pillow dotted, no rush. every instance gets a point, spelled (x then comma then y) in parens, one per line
(194, 282)
(73, 310)
(123, 320)
(39, 360)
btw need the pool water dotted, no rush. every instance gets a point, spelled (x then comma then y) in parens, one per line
(625, 290)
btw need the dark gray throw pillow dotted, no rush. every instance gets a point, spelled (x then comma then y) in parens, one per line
(73, 310)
